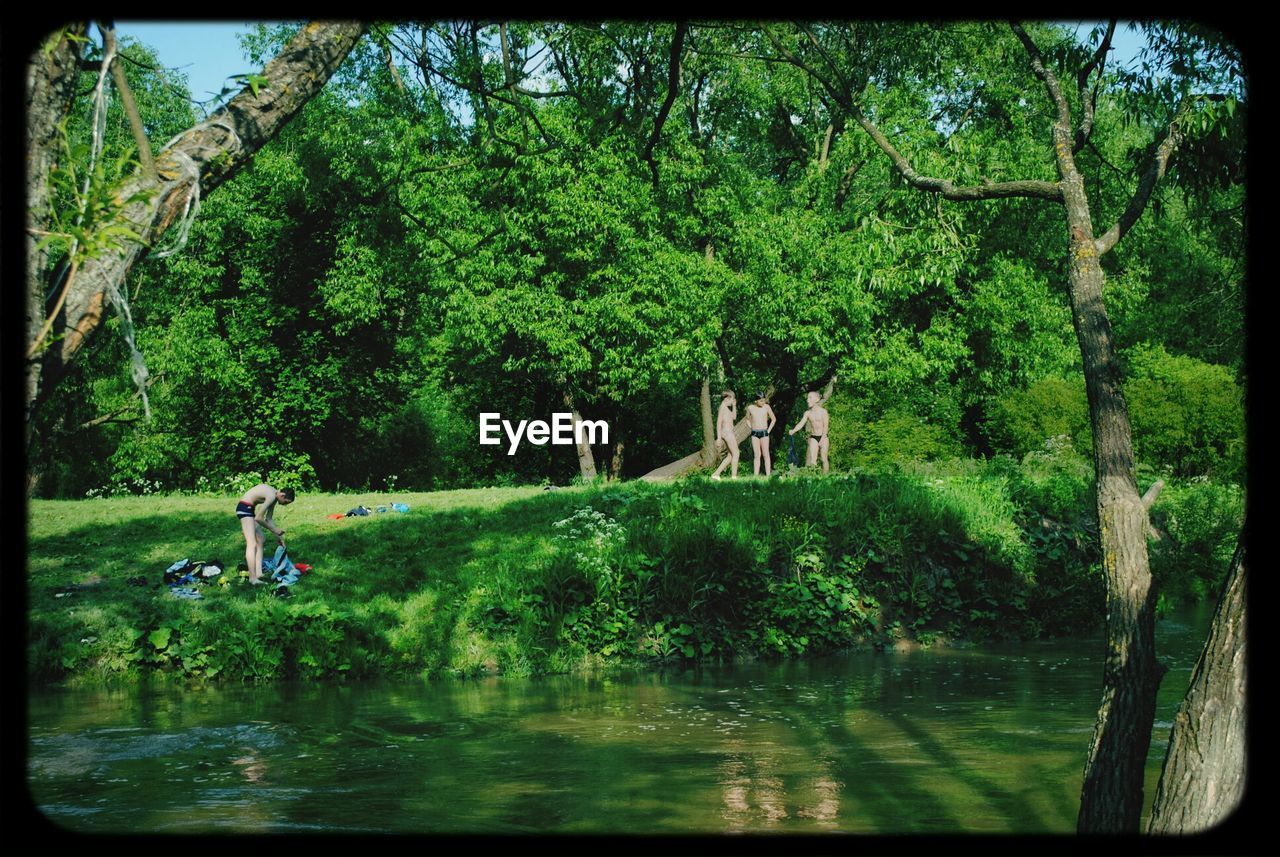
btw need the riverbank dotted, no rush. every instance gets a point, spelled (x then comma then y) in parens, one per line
(529, 581)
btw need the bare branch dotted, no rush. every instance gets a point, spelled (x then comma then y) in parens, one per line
(832, 64)
(126, 101)
(1153, 492)
(825, 149)
(988, 190)
(1042, 71)
(1099, 56)
(384, 42)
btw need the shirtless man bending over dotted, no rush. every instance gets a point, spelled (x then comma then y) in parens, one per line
(253, 519)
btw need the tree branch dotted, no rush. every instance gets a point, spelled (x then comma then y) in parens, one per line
(1089, 100)
(1142, 195)
(949, 190)
(673, 88)
(197, 160)
(1045, 75)
(1149, 498)
(126, 101)
(845, 86)
(114, 416)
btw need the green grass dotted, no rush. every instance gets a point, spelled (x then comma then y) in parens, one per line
(483, 580)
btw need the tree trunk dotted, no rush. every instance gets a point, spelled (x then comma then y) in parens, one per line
(615, 463)
(1204, 768)
(708, 424)
(690, 463)
(586, 461)
(195, 163)
(52, 73)
(1111, 799)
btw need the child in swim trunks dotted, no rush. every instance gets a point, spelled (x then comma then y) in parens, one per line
(762, 420)
(819, 438)
(253, 519)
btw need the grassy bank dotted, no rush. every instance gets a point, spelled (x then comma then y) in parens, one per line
(527, 581)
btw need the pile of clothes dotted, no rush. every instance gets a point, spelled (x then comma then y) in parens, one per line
(363, 511)
(184, 575)
(283, 570)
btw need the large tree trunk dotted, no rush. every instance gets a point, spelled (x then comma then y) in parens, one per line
(1204, 768)
(189, 168)
(52, 73)
(1111, 799)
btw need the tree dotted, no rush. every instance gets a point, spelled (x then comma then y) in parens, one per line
(150, 201)
(1111, 799)
(1203, 778)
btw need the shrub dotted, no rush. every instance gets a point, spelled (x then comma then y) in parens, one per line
(1188, 415)
(901, 436)
(1199, 522)
(1022, 421)
(1056, 480)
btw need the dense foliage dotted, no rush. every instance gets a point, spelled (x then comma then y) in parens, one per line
(517, 217)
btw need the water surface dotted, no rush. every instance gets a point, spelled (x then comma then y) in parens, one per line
(986, 739)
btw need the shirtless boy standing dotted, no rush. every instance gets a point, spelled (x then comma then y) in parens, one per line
(253, 519)
(819, 440)
(725, 419)
(762, 420)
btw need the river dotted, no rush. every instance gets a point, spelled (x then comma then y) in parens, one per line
(984, 739)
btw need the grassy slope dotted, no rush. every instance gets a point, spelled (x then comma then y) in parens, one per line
(380, 564)
(473, 581)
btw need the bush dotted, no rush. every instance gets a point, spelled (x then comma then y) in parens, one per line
(1056, 480)
(900, 436)
(1188, 416)
(1199, 522)
(1022, 421)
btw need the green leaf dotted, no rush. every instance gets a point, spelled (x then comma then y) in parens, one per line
(159, 638)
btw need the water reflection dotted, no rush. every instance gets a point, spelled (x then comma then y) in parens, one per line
(937, 741)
